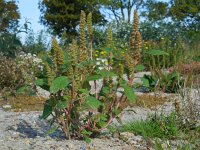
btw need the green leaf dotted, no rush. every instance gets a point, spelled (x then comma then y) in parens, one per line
(86, 63)
(129, 94)
(145, 82)
(103, 117)
(157, 52)
(22, 90)
(60, 83)
(92, 102)
(61, 104)
(52, 130)
(106, 73)
(139, 68)
(47, 109)
(87, 139)
(94, 77)
(107, 49)
(39, 82)
(106, 90)
(84, 91)
(122, 83)
(85, 132)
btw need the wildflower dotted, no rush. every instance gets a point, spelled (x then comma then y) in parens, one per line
(162, 38)
(103, 60)
(103, 53)
(96, 55)
(97, 63)
(146, 47)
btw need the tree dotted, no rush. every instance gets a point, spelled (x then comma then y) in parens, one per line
(36, 43)
(155, 10)
(63, 15)
(122, 8)
(184, 12)
(187, 12)
(9, 15)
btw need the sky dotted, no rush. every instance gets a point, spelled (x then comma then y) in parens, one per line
(29, 10)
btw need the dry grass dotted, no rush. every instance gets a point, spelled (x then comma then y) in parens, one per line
(149, 101)
(25, 103)
(185, 69)
(35, 103)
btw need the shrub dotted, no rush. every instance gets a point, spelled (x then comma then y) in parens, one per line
(74, 108)
(11, 76)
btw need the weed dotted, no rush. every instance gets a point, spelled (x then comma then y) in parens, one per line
(161, 127)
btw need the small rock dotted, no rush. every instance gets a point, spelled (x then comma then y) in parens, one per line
(70, 145)
(137, 138)
(7, 106)
(60, 148)
(137, 146)
(126, 135)
(132, 142)
(43, 93)
(164, 145)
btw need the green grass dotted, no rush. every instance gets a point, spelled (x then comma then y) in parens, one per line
(163, 127)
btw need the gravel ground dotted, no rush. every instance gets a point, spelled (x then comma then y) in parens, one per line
(25, 131)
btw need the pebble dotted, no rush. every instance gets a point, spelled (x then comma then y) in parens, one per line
(7, 106)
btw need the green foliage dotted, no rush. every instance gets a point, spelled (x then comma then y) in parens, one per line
(161, 127)
(122, 8)
(11, 75)
(59, 83)
(159, 60)
(36, 43)
(166, 82)
(157, 52)
(10, 44)
(186, 12)
(155, 10)
(162, 54)
(129, 94)
(9, 15)
(79, 110)
(68, 22)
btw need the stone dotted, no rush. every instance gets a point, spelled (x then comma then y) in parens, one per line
(43, 93)
(126, 135)
(7, 106)
(137, 138)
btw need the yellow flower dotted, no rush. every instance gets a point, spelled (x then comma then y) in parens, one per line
(162, 38)
(96, 51)
(102, 53)
(146, 47)
(96, 55)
